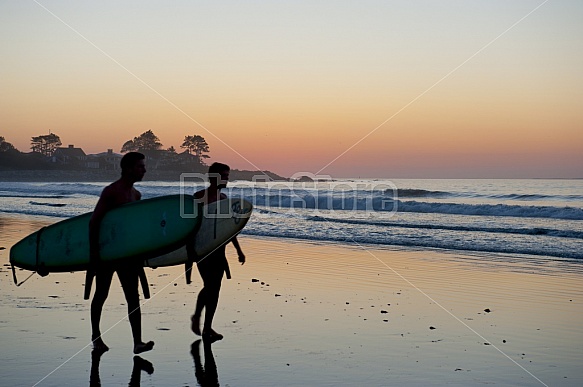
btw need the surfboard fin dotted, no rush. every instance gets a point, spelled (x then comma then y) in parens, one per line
(88, 282)
(42, 271)
(14, 275)
(191, 255)
(188, 272)
(144, 282)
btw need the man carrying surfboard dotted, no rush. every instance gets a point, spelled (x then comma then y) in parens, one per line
(120, 192)
(213, 266)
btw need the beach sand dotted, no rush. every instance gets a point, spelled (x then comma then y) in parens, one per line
(300, 313)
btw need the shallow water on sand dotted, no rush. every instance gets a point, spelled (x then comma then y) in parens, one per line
(311, 314)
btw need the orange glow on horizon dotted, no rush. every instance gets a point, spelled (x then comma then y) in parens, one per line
(389, 89)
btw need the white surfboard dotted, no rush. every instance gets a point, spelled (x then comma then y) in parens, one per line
(221, 221)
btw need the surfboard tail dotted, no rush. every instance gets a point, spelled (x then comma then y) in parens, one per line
(16, 279)
(14, 275)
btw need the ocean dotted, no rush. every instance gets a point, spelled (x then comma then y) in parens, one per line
(347, 282)
(499, 219)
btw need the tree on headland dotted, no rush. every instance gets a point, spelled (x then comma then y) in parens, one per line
(5, 146)
(45, 144)
(146, 142)
(197, 146)
(168, 158)
(12, 159)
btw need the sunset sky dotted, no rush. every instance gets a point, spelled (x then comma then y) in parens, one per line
(388, 89)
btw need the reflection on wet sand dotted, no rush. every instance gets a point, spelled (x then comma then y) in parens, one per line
(206, 375)
(139, 365)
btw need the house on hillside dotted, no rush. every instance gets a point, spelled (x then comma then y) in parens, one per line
(70, 156)
(174, 161)
(108, 161)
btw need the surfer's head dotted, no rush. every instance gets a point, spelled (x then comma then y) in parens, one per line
(218, 175)
(133, 166)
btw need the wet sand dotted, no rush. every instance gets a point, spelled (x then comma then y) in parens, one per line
(300, 313)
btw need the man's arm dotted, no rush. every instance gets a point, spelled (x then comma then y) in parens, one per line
(239, 251)
(104, 204)
(101, 208)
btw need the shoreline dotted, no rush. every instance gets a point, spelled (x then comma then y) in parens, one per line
(52, 175)
(62, 175)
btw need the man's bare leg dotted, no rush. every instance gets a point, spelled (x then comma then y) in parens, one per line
(195, 319)
(129, 282)
(212, 300)
(102, 284)
(195, 324)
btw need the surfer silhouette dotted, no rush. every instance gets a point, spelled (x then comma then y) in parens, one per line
(213, 266)
(120, 192)
(139, 365)
(207, 374)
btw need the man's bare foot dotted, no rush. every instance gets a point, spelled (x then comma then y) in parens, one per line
(211, 335)
(143, 347)
(195, 324)
(99, 345)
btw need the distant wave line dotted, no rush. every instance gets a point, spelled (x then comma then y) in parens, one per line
(26, 196)
(386, 204)
(425, 243)
(520, 231)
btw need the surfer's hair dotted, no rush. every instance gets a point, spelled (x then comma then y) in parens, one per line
(129, 160)
(218, 168)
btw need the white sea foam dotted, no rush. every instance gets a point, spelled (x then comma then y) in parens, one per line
(518, 217)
